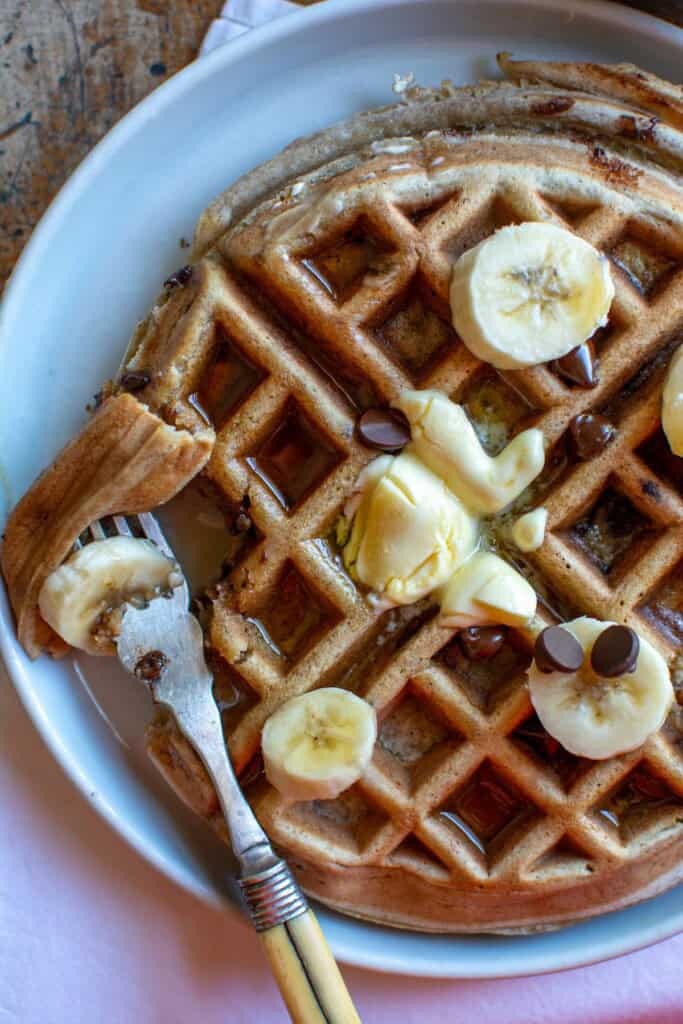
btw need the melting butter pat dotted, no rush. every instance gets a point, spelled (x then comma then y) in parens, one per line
(445, 440)
(672, 404)
(409, 533)
(487, 591)
(529, 530)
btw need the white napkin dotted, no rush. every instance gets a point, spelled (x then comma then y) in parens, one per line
(238, 16)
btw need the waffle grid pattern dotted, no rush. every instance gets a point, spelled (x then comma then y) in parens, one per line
(368, 295)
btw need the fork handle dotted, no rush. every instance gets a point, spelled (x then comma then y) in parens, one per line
(306, 972)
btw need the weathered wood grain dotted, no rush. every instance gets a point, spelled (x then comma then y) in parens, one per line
(69, 69)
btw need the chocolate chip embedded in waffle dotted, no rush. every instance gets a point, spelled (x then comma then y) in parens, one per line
(320, 290)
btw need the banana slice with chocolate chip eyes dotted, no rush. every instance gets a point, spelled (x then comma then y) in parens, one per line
(599, 715)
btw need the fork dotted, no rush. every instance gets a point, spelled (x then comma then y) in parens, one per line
(161, 643)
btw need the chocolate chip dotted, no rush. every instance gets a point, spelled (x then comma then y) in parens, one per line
(242, 523)
(385, 429)
(591, 434)
(480, 642)
(555, 105)
(557, 650)
(615, 652)
(178, 278)
(615, 170)
(578, 366)
(650, 488)
(135, 380)
(150, 666)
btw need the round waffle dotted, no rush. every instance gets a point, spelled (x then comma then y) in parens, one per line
(320, 288)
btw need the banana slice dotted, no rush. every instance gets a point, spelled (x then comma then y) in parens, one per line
(528, 294)
(100, 577)
(595, 717)
(672, 404)
(317, 745)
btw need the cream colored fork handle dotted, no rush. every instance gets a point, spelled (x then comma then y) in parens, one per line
(307, 974)
(304, 967)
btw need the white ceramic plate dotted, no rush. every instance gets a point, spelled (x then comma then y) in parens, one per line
(91, 270)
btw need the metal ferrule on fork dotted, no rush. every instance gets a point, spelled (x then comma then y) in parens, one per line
(272, 896)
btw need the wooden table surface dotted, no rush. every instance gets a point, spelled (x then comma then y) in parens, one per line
(71, 68)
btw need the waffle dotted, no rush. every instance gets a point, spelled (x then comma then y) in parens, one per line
(320, 288)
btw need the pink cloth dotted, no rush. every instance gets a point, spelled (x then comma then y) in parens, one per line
(91, 933)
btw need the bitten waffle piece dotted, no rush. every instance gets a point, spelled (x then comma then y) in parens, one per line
(125, 460)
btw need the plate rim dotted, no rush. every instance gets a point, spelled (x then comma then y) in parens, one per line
(18, 667)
